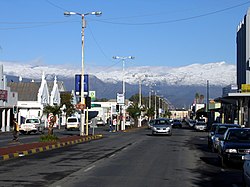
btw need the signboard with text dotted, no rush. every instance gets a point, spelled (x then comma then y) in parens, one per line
(120, 98)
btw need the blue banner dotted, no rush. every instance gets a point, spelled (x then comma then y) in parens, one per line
(78, 84)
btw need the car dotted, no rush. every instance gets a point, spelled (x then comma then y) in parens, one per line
(161, 126)
(73, 123)
(176, 123)
(32, 124)
(234, 146)
(191, 123)
(151, 123)
(211, 134)
(200, 126)
(246, 170)
(218, 134)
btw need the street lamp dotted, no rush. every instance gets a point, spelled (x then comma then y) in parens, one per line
(123, 85)
(82, 73)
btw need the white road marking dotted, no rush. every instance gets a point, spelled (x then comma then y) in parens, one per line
(91, 167)
(111, 155)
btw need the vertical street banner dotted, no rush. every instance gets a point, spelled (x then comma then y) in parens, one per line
(78, 84)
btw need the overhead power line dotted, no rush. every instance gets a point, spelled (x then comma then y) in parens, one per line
(177, 20)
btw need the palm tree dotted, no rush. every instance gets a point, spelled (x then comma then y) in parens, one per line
(134, 111)
(197, 97)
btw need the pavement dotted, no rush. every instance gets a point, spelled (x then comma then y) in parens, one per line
(17, 149)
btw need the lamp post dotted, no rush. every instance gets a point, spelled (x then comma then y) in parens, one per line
(123, 86)
(82, 72)
(140, 95)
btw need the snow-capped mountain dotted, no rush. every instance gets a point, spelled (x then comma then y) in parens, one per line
(218, 74)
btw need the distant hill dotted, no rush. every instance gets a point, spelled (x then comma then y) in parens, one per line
(177, 84)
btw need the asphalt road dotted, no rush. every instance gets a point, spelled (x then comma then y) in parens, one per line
(133, 158)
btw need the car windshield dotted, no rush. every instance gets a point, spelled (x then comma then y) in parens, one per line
(72, 120)
(221, 130)
(213, 128)
(161, 122)
(32, 121)
(240, 135)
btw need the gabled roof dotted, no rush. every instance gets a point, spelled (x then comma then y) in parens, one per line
(27, 91)
(59, 83)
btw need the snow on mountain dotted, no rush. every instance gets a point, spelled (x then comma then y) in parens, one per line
(219, 73)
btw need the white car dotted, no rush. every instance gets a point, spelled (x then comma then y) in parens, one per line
(31, 125)
(200, 126)
(73, 123)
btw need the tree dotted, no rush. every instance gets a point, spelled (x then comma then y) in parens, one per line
(134, 111)
(197, 97)
(150, 112)
(66, 99)
(202, 98)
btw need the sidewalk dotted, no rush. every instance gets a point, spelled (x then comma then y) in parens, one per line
(17, 149)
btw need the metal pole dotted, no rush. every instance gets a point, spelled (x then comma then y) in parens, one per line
(124, 90)
(82, 81)
(155, 104)
(140, 100)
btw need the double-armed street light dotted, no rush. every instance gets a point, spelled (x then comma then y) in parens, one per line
(123, 85)
(82, 72)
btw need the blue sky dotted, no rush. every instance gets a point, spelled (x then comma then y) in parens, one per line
(156, 32)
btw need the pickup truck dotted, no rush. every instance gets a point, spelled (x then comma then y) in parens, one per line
(31, 125)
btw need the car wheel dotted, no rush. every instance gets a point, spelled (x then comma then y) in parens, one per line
(153, 133)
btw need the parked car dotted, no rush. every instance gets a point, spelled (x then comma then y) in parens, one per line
(200, 126)
(234, 145)
(191, 123)
(211, 134)
(176, 123)
(32, 125)
(73, 123)
(151, 123)
(246, 170)
(162, 126)
(219, 133)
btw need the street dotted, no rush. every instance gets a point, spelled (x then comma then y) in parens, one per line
(134, 158)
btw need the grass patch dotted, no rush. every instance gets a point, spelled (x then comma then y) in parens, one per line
(48, 138)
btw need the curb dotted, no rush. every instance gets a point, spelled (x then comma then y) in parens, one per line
(48, 147)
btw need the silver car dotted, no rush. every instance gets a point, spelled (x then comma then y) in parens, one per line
(162, 126)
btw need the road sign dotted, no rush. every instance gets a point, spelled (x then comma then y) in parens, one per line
(92, 95)
(120, 98)
(80, 106)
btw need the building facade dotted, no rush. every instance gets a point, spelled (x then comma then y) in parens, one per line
(243, 51)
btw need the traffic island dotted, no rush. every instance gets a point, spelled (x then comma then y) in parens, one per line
(17, 149)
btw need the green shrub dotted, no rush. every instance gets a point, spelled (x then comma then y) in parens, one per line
(48, 138)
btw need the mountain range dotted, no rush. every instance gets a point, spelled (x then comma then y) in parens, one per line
(178, 84)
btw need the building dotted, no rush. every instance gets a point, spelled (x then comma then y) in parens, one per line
(243, 51)
(34, 96)
(8, 99)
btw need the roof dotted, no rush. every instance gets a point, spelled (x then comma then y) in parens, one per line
(60, 84)
(27, 91)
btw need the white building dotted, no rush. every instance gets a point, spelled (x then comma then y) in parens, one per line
(34, 96)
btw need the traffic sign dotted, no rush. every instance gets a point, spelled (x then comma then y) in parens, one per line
(80, 106)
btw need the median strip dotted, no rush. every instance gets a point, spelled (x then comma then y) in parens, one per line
(31, 149)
